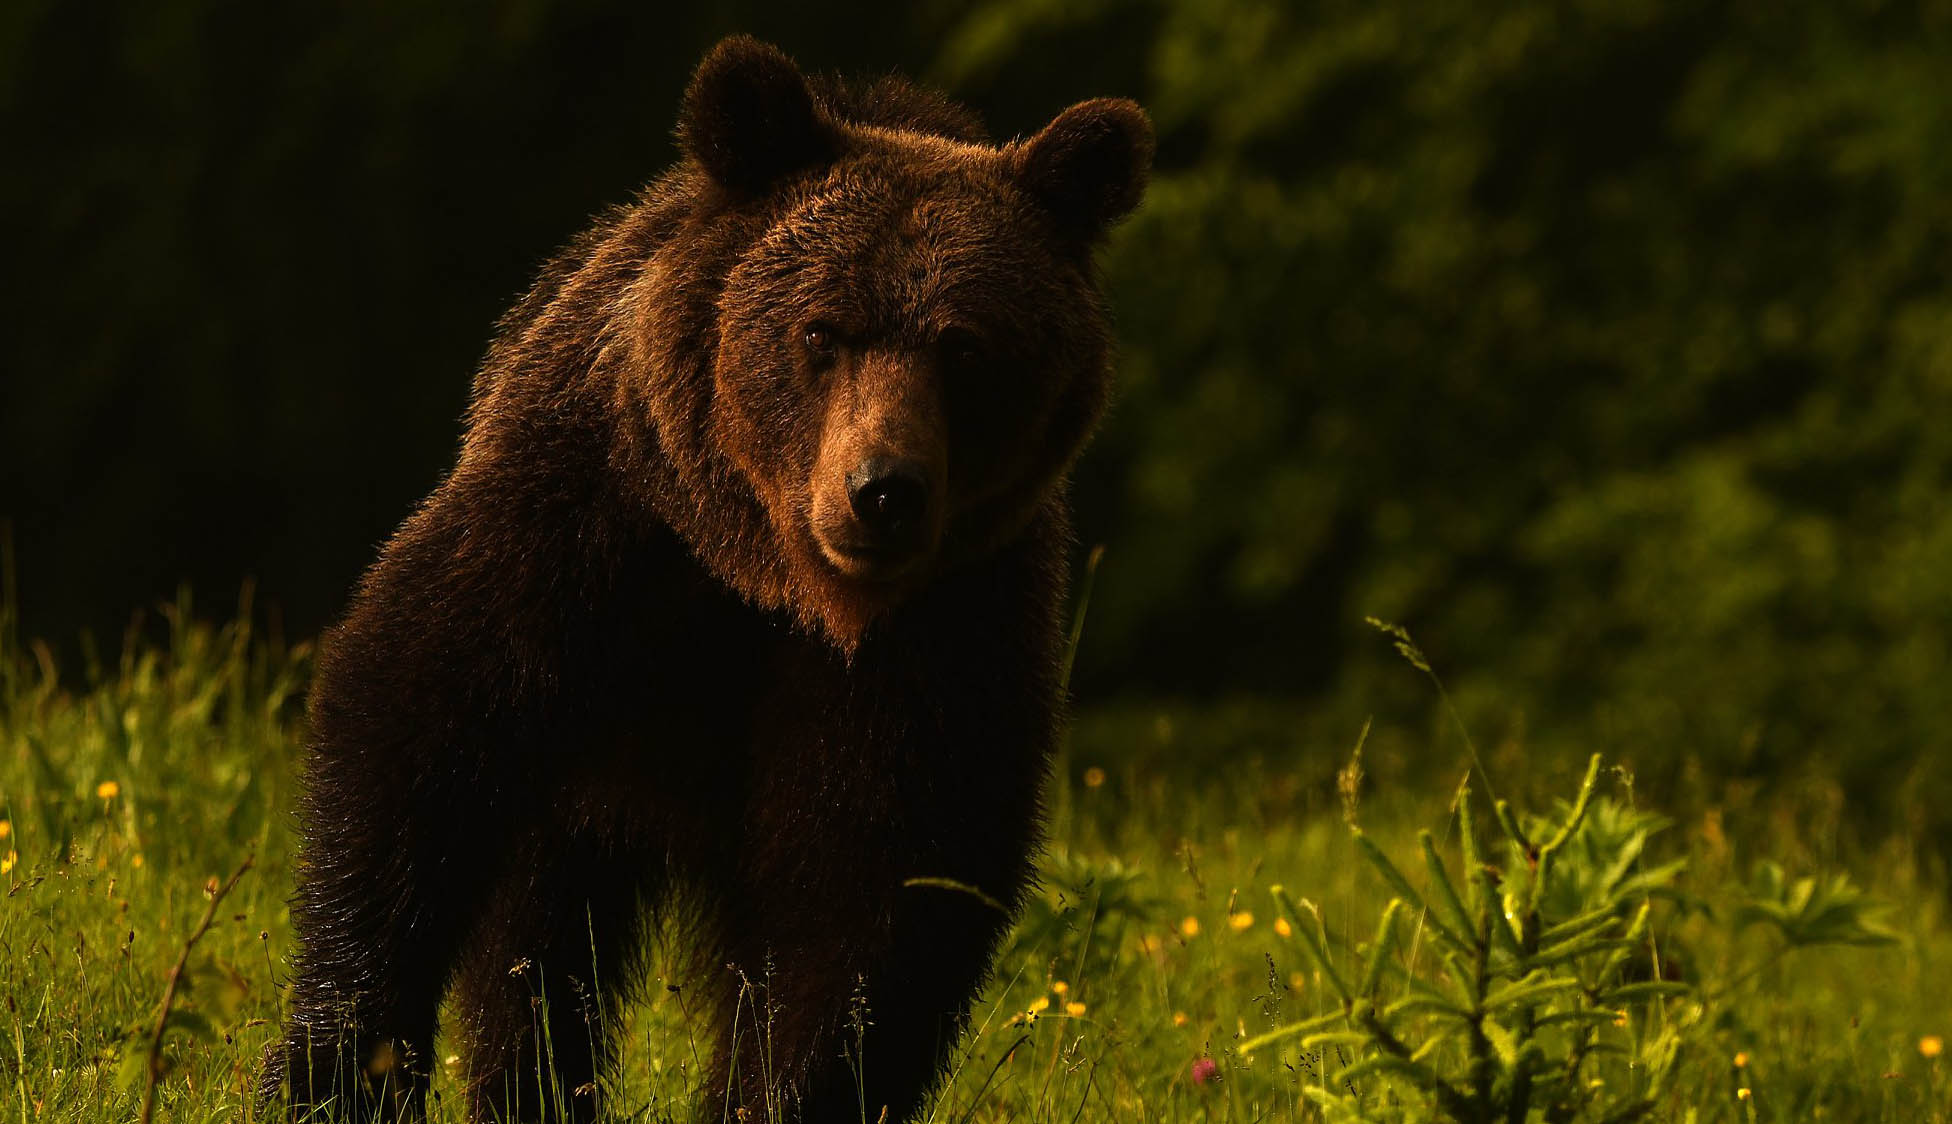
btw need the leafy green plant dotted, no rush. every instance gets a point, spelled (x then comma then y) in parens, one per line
(1540, 993)
(1545, 992)
(1810, 911)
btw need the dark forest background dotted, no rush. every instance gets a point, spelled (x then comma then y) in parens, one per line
(1606, 345)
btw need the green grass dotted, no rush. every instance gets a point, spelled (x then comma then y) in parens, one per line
(1154, 944)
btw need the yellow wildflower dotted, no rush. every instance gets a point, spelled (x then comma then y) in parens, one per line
(1060, 987)
(1282, 928)
(1037, 1005)
(1190, 927)
(1931, 1046)
(6, 828)
(1241, 921)
(1744, 1093)
(1742, 1059)
(135, 859)
(1180, 1019)
(1093, 777)
(1074, 1009)
(7, 863)
(107, 790)
(1296, 981)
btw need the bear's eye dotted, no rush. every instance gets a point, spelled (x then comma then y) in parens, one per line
(962, 349)
(819, 339)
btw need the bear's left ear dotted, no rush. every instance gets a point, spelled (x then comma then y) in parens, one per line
(750, 119)
(1088, 167)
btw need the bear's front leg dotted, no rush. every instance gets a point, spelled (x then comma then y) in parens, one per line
(840, 1005)
(917, 1002)
(378, 918)
(553, 961)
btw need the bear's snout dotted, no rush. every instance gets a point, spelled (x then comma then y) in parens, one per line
(885, 523)
(880, 479)
(890, 498)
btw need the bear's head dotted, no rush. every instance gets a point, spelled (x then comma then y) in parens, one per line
(905, 343)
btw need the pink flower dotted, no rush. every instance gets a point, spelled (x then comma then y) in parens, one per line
(1206, 1071)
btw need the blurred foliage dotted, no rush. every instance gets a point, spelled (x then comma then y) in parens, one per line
(1606, 344)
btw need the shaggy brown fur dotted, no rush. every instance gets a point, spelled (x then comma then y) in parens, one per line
(745, 592)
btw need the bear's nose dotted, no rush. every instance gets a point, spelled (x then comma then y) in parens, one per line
(890, 497)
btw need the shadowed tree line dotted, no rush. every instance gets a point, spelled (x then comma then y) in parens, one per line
(1606, 345)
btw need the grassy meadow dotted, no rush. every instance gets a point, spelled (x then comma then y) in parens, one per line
(1600, 342)
(1209, 945)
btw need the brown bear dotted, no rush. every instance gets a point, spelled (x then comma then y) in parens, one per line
(742, 605)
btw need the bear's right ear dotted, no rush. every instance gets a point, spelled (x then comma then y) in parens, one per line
(749, 118)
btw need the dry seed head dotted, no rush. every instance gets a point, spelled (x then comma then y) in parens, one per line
(1348, 779)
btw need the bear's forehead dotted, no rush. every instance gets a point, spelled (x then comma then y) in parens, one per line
(879, 215)
(906, 260)
(900, 240)
(912, 204)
